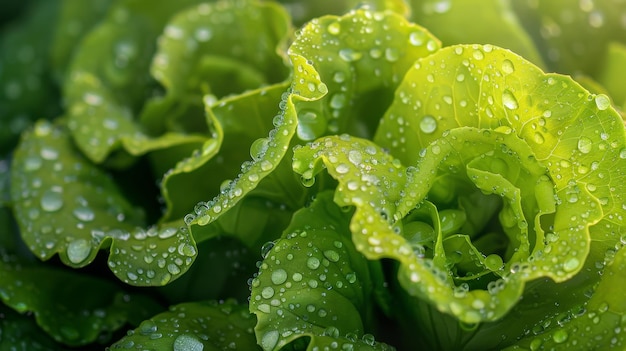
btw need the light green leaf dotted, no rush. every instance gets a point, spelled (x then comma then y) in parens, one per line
(313, 283)
(194, 326)
(573, 37)
(204, 50)
(304, 11)
(473, 22)
(613, 73)
(598, 324)
(360, 57)
(239, 122)
(64, 204)
(73, 308)
(75, 19)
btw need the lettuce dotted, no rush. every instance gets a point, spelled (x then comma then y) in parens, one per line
(298, 175)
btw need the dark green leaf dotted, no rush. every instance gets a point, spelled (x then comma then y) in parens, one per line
(64, 204)
(73, 308)
(314, 283)
(194, 326)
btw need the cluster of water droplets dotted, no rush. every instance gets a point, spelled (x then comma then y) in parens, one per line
(192, 327)
(352, 50)
(266, 154)
(293, 287)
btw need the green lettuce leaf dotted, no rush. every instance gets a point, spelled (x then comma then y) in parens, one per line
(220, 58)
(75, 19)
(75, 221)
(82, 310)
(473, 22)
(239, 121)
(21, 333)
(313, 283)
(341, 60)
(573, 37)
(108, 81)
(194, 326)
(305, 11)
(547, 161)
(359, 66)
(598, 324)
(613, 72)
(28, 91)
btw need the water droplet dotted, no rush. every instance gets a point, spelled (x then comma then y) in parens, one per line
(356, 158)
(269, 340)
(428, 124)
(310, 126)
(331, 255)
(342, 168)
(509, 100)
(48, 153)
(266, 165)
(417, 38)
(51, 201)
(338, 101)
(603, 102)
(78, 250)
(173, 269)
(313, 262)
(478, 54)
(267, 292)
(507, 66)
(334, 28)
(279, 276)
(539, 139)
(187, 343)
(391, 54)
(584, 145)
(493, 262)
(32, 163)
(167, 232)
(571, 265)
(560, 336)
(203, 34)
(83, 213)
(349, 55)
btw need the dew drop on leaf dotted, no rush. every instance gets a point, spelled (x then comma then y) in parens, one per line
(334, 28)
(313, 262)
(51, 201)
(269, 340)
(428, 124)
(78, 250)
(584, 145)
(602, 102)
(279, 276)
(349, 55)
(187, 343)
(509, 100)
(507, 66)
(571, 264)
